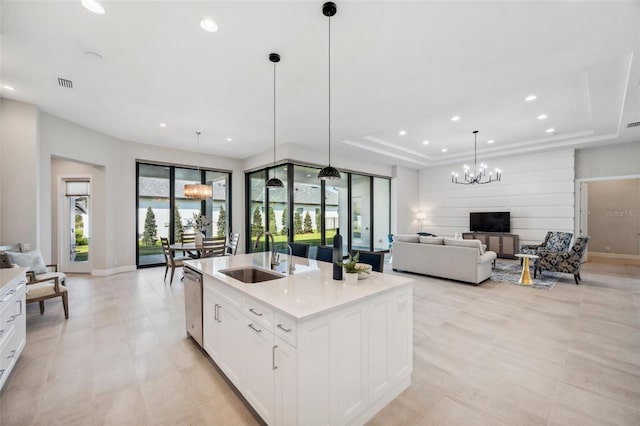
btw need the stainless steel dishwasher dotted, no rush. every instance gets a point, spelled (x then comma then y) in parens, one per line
(193, 303)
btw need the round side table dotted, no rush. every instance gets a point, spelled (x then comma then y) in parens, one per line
(525, 277)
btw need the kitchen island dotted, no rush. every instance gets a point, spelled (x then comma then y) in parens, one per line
(305, 349)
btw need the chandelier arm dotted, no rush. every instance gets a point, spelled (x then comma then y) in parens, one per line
(329, 97)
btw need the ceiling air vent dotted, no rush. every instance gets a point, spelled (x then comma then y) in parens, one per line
(63, 82)
(634, 124)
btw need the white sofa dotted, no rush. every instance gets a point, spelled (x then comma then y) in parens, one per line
(461, 260)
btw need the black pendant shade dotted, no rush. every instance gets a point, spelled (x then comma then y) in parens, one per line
(274, 182)
(329, 173)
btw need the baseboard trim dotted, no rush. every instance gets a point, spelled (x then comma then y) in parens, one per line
(112, 271)
(613, 255)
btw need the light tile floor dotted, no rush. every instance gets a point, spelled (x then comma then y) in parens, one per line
(495, 354)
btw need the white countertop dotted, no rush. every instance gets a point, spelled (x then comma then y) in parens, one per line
(8, 274)
(309, 291)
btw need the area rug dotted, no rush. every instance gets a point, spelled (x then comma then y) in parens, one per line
(506, 272)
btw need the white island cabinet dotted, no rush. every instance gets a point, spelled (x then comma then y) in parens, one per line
(13, 332)
(305, 349)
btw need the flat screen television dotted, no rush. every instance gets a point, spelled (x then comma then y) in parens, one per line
(490, 222)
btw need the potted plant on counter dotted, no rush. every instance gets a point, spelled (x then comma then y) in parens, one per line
(354, 270)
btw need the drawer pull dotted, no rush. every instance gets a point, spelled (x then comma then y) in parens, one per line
(20, 303)
(255, 312)
(286, 330)
(273, 357)
(11, 292)
(257, 330)
(1, 373)
(13, 317)
(1, 332)
(217, 315)
(12, 354)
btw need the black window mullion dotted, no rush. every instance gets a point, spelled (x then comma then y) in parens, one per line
(371, 213)
(137, 213)
(323, 207)
(290, 201)
(267, 203)
(349, 218)
(172, 203)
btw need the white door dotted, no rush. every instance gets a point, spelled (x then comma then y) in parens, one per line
(75, 226)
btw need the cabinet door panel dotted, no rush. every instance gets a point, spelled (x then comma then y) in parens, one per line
(317, 384)
(401, 342)
(233, 354)
(286, 384)
(259, 378)
(352, 362)
(379, 325)
(211, 329)
(509, 245)
(494, 243)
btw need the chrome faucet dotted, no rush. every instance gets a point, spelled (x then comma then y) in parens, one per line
(290, 264)
(274, 256)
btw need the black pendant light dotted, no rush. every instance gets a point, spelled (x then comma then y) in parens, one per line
(329, 9)
(274, 182)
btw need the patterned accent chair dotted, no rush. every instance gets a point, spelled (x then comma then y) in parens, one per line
(554, 241)
(566, 261)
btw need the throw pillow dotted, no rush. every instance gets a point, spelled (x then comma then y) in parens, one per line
(464, 243)
(4, 261)
(31, 259)
(432, 240)
(406, 238)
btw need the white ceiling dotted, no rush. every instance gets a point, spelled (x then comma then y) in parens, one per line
(395, 65)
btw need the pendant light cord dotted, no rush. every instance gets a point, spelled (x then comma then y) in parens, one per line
(198, 150)
(274, 114)
(329, 91)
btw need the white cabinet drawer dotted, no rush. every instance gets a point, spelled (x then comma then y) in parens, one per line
(258, 312)
(285, 328)
(226, 294)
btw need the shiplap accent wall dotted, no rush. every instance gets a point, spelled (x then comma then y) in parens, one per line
(538, 190)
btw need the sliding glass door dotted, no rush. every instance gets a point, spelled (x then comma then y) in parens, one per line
(309, 211)
(164, 211)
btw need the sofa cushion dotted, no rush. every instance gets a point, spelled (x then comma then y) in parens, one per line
(406, 238)
(31, 259)
(432, 240)
(464, 243)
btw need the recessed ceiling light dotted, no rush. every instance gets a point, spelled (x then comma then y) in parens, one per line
(163, 124)
(6, 86)
(444, 150)
(455, 118)
(490, 141)
(425, 142)
(402, 132)
(550, 130)
(531, 97)
(229, 140)
(541, 116)
(209, 24)
(93, 6)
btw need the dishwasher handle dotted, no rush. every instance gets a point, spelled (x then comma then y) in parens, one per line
(192, 275)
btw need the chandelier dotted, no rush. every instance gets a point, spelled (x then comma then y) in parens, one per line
(198, 191)
(479, 174)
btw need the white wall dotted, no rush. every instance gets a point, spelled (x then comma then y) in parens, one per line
(538, 190)
(60, 138)
(19, 169)
(404, 200)
(608, 161)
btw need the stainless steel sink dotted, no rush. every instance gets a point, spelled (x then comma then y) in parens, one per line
(251, 275)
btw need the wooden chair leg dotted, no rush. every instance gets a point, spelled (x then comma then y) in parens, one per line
(173, 270)
(166, 269)
(65, 304)
(41, 307)
(575, 277)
